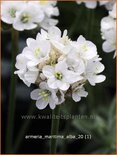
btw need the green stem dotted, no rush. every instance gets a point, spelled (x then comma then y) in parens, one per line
(23, 130)
(11, 108)
(54, 129)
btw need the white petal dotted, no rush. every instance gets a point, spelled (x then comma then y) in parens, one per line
(31, 76)
(107, 23)
(43, 85)
(62, 85)
(82, 93)
(21, 62)
(91, 51)
(76, 97)
(91, 5)
(48, 23)
(97, 67)
(91, 80)
(81, 39)
(52, 83)
(52, 103)
(72, 77)
(108, 47)
(29, 41)
(41, 104)
(61, 66)
(31, 64)
(96, 79)
(99, 78)
(54, 32)
(35, 94)
(61, 97)
(48, 71)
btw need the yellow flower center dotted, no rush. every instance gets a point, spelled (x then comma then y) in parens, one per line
(45, 94)
(37, 52)
(84, 48)
(12, 12)
(58, 75)
(25, 18)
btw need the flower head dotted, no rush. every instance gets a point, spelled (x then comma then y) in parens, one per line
(59, 66)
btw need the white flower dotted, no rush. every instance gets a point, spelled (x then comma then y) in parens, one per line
(48, 23)
(90, 5)
(50, 9)
(28, 17)
(27, 75)
(9, 9)
(59, 65)
(59, 76)
(36, 51)
(84, 49)
(94, 67)
(108, 30)
(44, 96)
(77, 94)
(93, 4)
(113, 12)
(110, 44)
(76, 65)
(108, 4)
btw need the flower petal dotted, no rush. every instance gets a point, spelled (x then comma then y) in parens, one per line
(48, 71)
(35, 94)
(41, 104)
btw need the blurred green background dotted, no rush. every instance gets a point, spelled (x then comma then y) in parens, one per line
(78, 20)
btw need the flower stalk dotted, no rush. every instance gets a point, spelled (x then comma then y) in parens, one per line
(11, 108)
(54, 129)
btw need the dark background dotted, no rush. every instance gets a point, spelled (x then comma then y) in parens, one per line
(77, 19)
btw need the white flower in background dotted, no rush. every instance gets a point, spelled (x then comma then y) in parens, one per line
(28, 15)
(89, 4)
(45, 96)
(59, 76)
(59, 66)
(93, 4)
(28, 18)
(112, 13)
(77, 94)
(9, 9)
(49, 7)
(108, 30)
(108, 4)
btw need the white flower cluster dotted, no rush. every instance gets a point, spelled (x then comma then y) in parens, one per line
(93, 4)
(59, 67)
(108, 30)
(27, 15)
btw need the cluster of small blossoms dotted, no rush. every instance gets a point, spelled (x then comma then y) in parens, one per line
(59, 67)
(108, 30)
(27, 15)
(93, 4)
